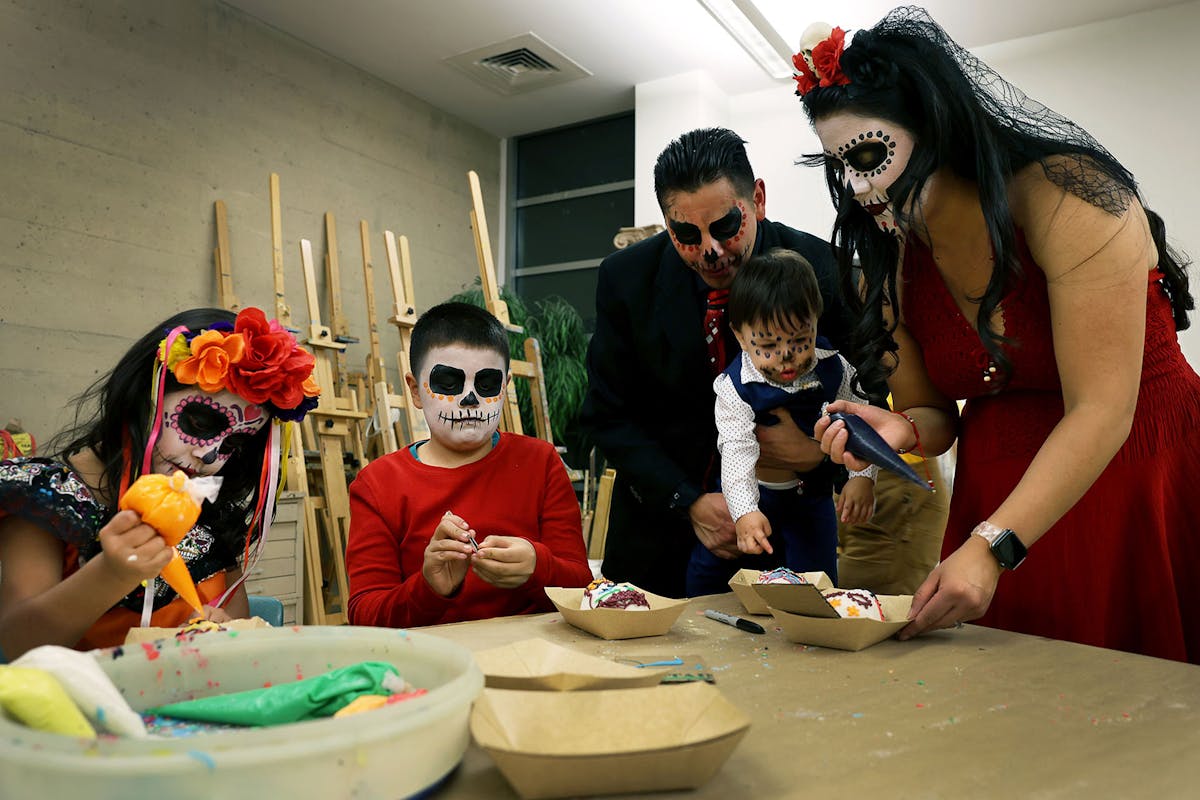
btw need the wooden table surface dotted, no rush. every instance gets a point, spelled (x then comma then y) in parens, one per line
(968, 713)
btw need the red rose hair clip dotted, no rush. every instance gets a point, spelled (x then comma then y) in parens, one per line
(819, 62)
(258, 360)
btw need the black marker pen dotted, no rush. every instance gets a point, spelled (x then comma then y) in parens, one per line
(737, 622)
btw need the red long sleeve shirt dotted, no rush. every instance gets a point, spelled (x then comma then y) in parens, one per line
(520, 489)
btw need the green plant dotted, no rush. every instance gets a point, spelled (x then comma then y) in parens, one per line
(559, 329)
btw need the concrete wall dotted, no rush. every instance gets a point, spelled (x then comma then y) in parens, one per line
(1130, 81)
(122, 122)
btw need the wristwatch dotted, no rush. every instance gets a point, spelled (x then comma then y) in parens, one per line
(1005, 546)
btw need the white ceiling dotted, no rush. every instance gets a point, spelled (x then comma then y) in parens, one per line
(621, 42)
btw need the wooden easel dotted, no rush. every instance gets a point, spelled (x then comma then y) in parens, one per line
(221, 260)
(295, 471)
(346, 383)
(404, 317)
(379, 394)
(599, 527)
(384, 401)
(332, 419)
(531, 368)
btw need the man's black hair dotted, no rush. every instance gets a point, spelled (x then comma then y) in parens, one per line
(700, 157)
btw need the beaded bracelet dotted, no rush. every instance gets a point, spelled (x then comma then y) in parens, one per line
(920, 451)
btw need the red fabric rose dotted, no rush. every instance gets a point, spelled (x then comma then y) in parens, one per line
(273, 368)
(827, 58)
(806, 81)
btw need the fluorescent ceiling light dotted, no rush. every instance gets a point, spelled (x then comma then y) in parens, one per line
(749, 28)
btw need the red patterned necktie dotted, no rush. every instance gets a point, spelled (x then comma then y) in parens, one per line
(714, 330)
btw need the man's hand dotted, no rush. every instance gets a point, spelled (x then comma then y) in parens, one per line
(447, 554)
(713, 525)
(505, 562)
(752, 532)
(785, 446)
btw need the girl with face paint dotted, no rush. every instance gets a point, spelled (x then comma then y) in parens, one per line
(198, 394)
(1007, 258)
(470, 523)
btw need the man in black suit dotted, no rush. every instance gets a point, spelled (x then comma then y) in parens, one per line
(650, 399)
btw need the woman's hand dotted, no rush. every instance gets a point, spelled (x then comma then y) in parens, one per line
(833, 436)
(447, 554)
(132, 551)
(959, 589)
(505, 562)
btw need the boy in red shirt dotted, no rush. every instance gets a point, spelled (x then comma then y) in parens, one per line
(470, 523)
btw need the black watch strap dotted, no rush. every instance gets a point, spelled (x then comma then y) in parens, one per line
(1004, 544)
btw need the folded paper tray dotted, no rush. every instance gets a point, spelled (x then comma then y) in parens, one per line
(614, 623)
(569, 744)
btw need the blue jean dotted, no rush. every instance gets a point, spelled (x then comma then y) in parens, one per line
(804, 535)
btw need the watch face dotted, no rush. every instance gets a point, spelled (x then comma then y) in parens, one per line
(1008, 549)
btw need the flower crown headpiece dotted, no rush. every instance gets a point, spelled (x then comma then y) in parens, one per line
(255, 358)
(819, 62)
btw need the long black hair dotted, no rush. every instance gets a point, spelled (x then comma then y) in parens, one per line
(118, 408)
(964, 117)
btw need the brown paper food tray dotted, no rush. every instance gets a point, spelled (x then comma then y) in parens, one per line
(750, 593)
(138, 635)
(538, 665)
(846, 634)
(567, 744)
(615, 623)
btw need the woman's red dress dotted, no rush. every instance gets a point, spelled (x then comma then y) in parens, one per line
(1118, 569)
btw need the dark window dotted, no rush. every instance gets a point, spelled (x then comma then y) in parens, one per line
(572, 192)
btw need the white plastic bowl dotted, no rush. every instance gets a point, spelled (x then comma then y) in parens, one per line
(391, 752)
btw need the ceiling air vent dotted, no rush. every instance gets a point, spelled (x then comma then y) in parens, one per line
(521, 64)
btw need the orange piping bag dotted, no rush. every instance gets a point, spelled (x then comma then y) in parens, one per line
(171, 505)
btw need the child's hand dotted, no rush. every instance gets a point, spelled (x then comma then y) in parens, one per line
(447, 554)
(505, 562)
(752, 532)
(133, 551)
(212, 614)
(856, 503)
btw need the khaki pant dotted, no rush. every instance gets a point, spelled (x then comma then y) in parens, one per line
(895, 551)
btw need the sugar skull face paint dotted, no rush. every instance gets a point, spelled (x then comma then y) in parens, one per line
(781, 352)
(460, 391)
(202, 431)
(713, 228)
(872, 155)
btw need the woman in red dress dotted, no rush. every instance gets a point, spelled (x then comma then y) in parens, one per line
(1007, 259)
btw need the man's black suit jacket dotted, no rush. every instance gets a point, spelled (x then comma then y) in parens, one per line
(650, 400)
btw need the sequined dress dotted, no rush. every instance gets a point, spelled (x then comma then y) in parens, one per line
(1117, 570)
(53, 496)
